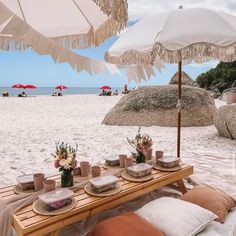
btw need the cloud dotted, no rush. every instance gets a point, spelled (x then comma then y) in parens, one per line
(209, 64)
(140, 8)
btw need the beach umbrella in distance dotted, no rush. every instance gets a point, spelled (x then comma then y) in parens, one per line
(20, 86)
(105, 87)
(61, 87)
(30, 86)
(178, 36)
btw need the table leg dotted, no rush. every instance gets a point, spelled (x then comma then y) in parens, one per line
(181, 186)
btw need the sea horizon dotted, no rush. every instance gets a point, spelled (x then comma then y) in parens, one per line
(50, 90)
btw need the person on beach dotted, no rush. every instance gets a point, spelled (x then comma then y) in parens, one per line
(116, 93)
(103, 93)
(23, 94)
(5, 93)
(108, 93)
(125, 89)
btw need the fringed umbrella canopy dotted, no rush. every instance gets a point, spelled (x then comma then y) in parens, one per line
(75, 23)
(17, 34)
(185, 34)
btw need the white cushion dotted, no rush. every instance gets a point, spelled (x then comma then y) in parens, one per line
(176, 217)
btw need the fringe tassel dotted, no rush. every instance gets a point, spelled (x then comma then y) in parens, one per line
(9, 44)
(199, 52)
(129, 57)
(105, 31)
(93, 38)
(117, 9)
(77, 41)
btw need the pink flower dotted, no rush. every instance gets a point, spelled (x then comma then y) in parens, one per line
(56, 164)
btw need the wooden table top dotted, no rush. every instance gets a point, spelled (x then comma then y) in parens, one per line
(27, 222)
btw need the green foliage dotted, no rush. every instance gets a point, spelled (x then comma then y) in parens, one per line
(221, 78)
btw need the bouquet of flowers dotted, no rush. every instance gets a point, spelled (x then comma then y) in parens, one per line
(141, 142)
(65, 156)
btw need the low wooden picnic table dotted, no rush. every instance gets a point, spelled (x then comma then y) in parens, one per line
(27, 223)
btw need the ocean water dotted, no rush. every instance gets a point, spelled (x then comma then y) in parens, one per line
(49, 91)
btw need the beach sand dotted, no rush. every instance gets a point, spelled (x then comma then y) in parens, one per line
(31, 126)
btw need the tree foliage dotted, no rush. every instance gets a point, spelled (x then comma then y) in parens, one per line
(220, 78)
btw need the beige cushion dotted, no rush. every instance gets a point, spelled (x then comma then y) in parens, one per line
(129, 224)
(211, 199)
(175, 217)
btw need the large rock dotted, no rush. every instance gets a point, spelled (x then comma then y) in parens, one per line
(186, 80)
(225, 121)
(149, 106)
(225, 93)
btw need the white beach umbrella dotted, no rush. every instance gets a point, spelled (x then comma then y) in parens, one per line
(178, 36)
(76, 23)
(39, 25)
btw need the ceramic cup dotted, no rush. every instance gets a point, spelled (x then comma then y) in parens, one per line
(129, 162)
(49, 185)
(76, 171)
(159, 154)
(148, 154)
(38, 181)
(122, 159)
(96, 171)
(84, 167)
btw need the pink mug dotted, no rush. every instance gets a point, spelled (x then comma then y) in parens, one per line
(148, 154)
(96, 171)
(129, 162)
(38, 181)
(49, 185)
(122, 159)
(84, 168)
(159, 154)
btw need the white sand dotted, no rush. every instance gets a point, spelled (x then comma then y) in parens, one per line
(30, 127)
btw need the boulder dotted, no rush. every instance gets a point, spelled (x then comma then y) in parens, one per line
(225, 121)
(224, 96)
(186, 80)
(156, 106)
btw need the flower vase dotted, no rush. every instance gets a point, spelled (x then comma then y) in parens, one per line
(140, 158)
(66, 178)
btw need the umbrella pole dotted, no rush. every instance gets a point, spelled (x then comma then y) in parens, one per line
(179, 106)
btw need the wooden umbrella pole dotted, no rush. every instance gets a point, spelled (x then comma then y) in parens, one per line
(179, 106)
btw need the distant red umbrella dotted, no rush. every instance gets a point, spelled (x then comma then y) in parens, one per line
(30, 86)
(105, 87)
(21, 86)
(61, 87)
